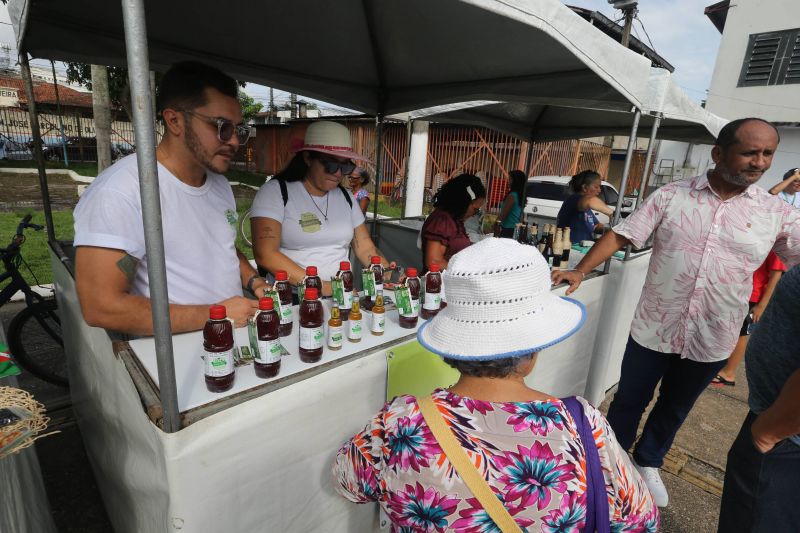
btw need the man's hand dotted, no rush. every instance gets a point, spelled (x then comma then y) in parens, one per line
(573, 277)
(761, 438)
(240, 309)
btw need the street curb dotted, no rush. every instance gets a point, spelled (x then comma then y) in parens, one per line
(71, 173)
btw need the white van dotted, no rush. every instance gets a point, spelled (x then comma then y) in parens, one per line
(545, 194)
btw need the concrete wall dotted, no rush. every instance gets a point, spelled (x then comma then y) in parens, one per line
(777, 103)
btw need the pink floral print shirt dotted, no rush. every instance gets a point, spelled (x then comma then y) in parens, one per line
(705, 251)
(529, 453)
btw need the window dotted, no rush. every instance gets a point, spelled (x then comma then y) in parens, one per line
(772, 58)
(547, 190)
(609, 195)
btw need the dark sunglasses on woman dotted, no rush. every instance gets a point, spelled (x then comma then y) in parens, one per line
(332, 165)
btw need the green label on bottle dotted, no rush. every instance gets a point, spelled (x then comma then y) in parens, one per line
(337, 288)
(368, 281)
(301, 289)
(402, 298)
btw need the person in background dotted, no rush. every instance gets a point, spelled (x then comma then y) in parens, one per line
(711, 232)
(789, 187)
(203, 128)
(523, 442)
(303, 216)
(764, 281)
(513, 204)
(443, 233)
(577, 211)
(358, 180)
(763, 468)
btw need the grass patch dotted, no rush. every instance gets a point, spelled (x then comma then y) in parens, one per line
(34, 250)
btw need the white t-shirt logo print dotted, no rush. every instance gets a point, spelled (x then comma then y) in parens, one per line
(310, 223)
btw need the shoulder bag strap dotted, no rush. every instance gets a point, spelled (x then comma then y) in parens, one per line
(597, 517)
(284, 191)
(346, 196)
(469, 474)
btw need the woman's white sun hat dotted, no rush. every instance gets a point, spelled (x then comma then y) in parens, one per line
(329, 138)
(499, 305)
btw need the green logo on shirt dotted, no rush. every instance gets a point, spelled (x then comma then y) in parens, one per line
(232, 217)
(309, 223)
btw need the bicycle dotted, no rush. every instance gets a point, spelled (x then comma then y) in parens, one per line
(34, 334)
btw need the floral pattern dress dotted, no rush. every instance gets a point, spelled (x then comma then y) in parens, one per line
(529, 453)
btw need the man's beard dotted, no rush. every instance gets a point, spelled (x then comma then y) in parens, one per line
(739, 180)
(194, 146)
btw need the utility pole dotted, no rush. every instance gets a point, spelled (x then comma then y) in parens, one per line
(629, 9)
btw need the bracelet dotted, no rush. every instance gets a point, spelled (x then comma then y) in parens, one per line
(250, 282)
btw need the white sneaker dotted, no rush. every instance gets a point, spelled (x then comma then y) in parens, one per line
(653, 481)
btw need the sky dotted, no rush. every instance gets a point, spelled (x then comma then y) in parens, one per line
(677, 28)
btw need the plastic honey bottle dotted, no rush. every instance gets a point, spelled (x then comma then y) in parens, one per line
(335, 332)
(433, 288)
(311, 330)
(354, 324)
(284, 291)
(412, 282)
(378, 325)
(346, 275)
(218, 345)
(267, 361)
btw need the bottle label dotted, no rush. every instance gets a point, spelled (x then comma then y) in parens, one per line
(415, 307)
(219, 364)
(432, 302)
(378, 322)
(354, 329)
(368, 282)
(402, 298)
(269, 351)
(301, 290)
(348, 300)
(335, 336)
(311, 338)
(287, 314)
(337, 291)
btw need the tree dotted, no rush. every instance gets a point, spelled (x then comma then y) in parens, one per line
(249, 106)
(118, 89)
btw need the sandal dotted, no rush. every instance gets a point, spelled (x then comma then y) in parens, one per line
(719, 381)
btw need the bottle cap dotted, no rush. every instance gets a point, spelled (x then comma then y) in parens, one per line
(411, 272)
(344, 265)
(375, 260)
(266, 304)
(281, 275)
(217, 312)
(434, 267)
(311, 293)
(311, 271)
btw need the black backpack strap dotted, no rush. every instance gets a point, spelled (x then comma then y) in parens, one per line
(284, 191)
(346, 196)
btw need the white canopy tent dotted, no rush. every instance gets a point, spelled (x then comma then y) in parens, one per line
(377, 57)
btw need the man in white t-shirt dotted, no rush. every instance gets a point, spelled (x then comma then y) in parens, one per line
(202, 131)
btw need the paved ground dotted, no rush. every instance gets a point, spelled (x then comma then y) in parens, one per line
(693, 473)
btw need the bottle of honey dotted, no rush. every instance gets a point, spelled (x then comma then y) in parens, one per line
(354, 324)
(335, 334)
(378, 325)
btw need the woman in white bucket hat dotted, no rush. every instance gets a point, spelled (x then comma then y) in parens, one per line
(511, 444)
(303, 216)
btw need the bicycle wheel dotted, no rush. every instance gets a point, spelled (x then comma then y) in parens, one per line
(34, 337)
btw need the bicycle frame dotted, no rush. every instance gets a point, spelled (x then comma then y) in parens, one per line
(18, 283)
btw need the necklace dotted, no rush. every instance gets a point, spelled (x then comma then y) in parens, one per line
(325, 214)
(786, 198)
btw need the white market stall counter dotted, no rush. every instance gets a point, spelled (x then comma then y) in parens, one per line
(258, 457)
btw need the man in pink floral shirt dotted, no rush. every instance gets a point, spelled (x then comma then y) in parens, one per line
(710, 234)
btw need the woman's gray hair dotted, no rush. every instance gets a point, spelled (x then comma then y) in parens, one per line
(495, 368)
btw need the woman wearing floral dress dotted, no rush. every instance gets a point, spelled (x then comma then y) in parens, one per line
(523, 442)
(358, 180)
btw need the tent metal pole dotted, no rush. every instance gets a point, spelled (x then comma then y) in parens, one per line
(38, 153)
(645, 174)
(143, 121)
(528, 157)
(378, 173)
(625, 171)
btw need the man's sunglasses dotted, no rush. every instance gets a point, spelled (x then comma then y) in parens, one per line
(331, 165)
(226, 129)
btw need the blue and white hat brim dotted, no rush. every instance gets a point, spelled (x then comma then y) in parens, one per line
(553, 321)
